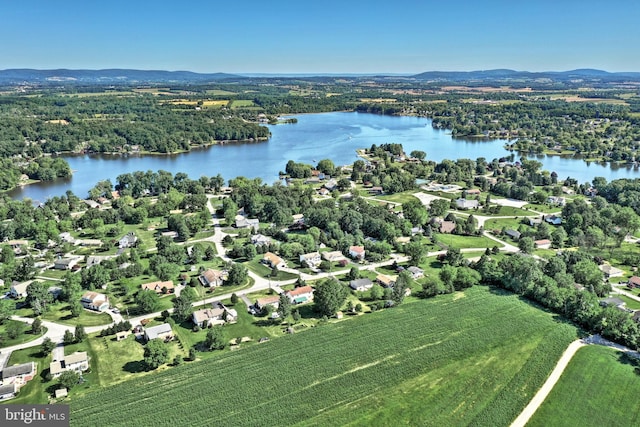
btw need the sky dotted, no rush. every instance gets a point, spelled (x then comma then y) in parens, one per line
(328, 36)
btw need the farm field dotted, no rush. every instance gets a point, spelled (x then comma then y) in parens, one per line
(593, 390)
(472, 358)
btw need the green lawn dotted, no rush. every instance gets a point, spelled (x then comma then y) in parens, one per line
(461, 242)
(263, 271)
(598, 388)
(460, 359)
(500, 223)
(398, 197)
(630, 302)
(61, 313)
(24, 336)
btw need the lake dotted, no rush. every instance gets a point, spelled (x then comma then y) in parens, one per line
(316, 136)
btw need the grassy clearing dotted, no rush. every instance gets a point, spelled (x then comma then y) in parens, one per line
(24, 335)
(238, 103)
(597, 388)
(461, 242)
(474, 359)
(500, 223)
(61, 313)
(398, 197)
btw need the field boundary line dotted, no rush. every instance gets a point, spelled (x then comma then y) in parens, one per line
(546, 388)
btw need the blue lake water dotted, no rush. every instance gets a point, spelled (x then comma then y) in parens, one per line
(316, 136)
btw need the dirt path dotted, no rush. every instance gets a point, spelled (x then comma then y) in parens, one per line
(542, 394)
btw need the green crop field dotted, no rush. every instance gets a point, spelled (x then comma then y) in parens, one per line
(598, 388)
(473, 358)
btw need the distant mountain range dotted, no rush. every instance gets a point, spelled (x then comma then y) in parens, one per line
(126, 76)
(503, 74)
(109, 76)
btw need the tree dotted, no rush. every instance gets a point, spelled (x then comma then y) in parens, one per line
(6, 309)
(354, 273)
(80, 334)
(470, 225)
(47, 346)
(68, 338)
(36, 326)
(181, 308)
(147, 301)
(76, 308)
(296, 316)
(155, 354)
(237, 275)
(417, 154)
(68, 379)
(558, 236)
(454, 257)
(400, 288)
(415, 251)
(526, 245)
(329, 296)
(465, 278)
(376, 292)
(439, 207)
(15, 329)
(216, 339)
(234, 298)
(284, 306)
(192, 354)
(38, 297)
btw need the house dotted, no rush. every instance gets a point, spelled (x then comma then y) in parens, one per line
(416, 272)
(244, 222)
(616, 302)
(273, 260)
(65, 263)
(17, 245)
(323, 192)
(128, 241)
(170, 234)
(19, 374)
(159, 287)
(312, 259)
(19, 290)
(472, 192)
(273, 301)
(8, 391)
(553, 219)
(542, 244)
(333, 256)
(300, 295)
(447, 227)
(610, 271)
(162, 332)
(634, 282)
(331, 185)
(357, 252)
(78, 361)
(260, 240)
(466, 204)
(92, 204)
(557, 201)
(214, 316)
(66, 237)
(212, 278)
(515, 235)
(376, 191)
(61, 392)
(386, 281)
(361, 285)
(535, 221)
(94, 301)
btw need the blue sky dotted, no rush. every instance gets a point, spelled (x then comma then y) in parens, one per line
(325, 36)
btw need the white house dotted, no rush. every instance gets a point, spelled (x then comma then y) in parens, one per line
(312, 259)
(300, 295)
(243, 222)
(260, 240)
(416, 272)
(333, 256)
(163, 332)
(361, 284)
(214, 316)
(273, 260)
(127, 241)
(542, 244)
(78, 361)
(65, 263)
(94, 301)
(212, 278)
(466, 204)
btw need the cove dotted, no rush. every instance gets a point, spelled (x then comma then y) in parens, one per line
(334, 135)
